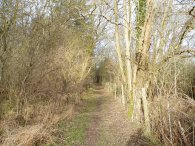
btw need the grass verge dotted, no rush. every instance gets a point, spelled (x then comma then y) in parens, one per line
(73, 132)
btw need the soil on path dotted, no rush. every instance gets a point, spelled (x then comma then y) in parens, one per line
(110, 125)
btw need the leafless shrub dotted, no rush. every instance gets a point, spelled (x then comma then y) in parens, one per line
(172, 107)
(172, 119)
(45, 58)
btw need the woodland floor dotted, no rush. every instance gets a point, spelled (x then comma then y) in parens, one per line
(105, 123)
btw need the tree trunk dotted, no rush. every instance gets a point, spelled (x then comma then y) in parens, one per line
(119, 52)
(146, 112)
(140, 72)
(115, 90)
(127, 29)
(117, 38)
(122, 95)
(137, 114)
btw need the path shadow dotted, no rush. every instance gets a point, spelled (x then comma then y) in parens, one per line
(138, 139)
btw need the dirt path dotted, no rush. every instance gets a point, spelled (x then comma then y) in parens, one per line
(109, 124)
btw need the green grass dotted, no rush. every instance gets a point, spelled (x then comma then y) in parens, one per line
(76, 130)
(73, 132)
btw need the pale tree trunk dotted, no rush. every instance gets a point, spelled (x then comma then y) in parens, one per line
(146, 112)
(119, 52)
(141, 76)
(122, 95)
(117, 38)
(127, 29)
(115, 90)
(137, 107)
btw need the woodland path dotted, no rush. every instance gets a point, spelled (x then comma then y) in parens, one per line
(109, 125)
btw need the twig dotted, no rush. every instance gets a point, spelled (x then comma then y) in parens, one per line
(193, 133)
(183, 135)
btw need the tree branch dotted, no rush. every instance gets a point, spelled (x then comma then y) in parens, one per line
(178, 53)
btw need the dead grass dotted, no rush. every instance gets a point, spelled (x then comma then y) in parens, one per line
(172, 119)
(32, 126)
(26, 136)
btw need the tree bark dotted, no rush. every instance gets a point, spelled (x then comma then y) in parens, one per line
(146, 111)
(127, 30)
(122, 95)
(141, 75)
(117, 38)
